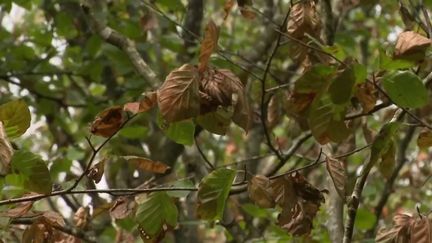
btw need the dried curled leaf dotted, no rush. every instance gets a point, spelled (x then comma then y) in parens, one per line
(208, 45)
(123, 207)
(223, 88)
(97, 171)
(148, 164)
(406, 229)
(260, 191)
(18, 211)
(304, 19)
(411, 45)
(302, 218)
(274, 113)
(108, 122)
(178, 97)
(337, 172)
(81, 217)
(6, 151)
(52, 219)
(145, 104)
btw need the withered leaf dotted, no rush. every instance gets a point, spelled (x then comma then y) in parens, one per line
(178, 97)
(97, 171)
(274, 113)
(148, 164)
(284, 193)
(123, 207)
(53, 219)
(301, 222)
(424, 140)
(304, 19)
(108, 122)
(367, 96)
(81, 217)
(35, 233)
(223, 88)
(247, 12)
(411, 45)
(146, 103)
(20, 210)
(403, 229)
(260, 191)
(6, 151)
(208, 45)
(149, 21)
(337, 172)
(229, 4)
(421, 230)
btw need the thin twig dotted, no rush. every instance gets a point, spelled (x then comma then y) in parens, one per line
(210, 165)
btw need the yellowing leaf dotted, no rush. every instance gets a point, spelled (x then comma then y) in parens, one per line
(260, 191)
(337, 172)
(208, 45)
(97, 171)
(148, 164)
(213, 192)
(411, 45)
(108, 122)
(15, 116)
(218, 121)
(178, 97)
(6, 151)
(145, 104)
(424, 140)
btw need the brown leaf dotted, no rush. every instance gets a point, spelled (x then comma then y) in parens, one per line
(34, 233)
(337, 172)
(301, 223)
(145, 104)
(108, 122)
(410, 43)
(229, 4)
(399, 233)
(304, 19)
(97, 171)
(149, 21)
(148, 164)
(6, 151)
(421, 231)
(81, 217)
(424, 140)
(20, 210)
(223, 88)
(260, 191)
(366, 94)
(52, 219)
(208, 45)
(123, 207)
(284, 193)
(247, 12)
(274, 113)
(178, 97)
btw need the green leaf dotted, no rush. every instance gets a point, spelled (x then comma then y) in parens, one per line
(255, 211)
(314, 80)
(405, 89)
(181, 132)
(38, 178)
(387, 163)
(213, 192)
(65, 25)
(387, 63)
(360, 73)
(181, 183)
(155, 212)
(15, 116)
(341, 88)
(383, 141)
(326, 121)
(216, 122)
(365, 219)
(134, 132)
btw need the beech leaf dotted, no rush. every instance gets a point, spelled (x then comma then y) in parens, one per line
(96, 172)
(304, 19)
(208, 45)
(145, 104)
(178, 97)
(18, 211)
(213, 192)
(387, 163)
(366, 94)
(337, 172)
(411, 45)
(424, 140)
(6, 151)
(260, 191)
(15, 116)
(149, 165)
(81, 217)
(108, 122)
(122, 207)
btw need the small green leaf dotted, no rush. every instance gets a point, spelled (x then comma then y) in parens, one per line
(405, 89)
(360, 73)
(213, 192)
(387, 63)
(15, 116)
(341, 88)
(383, 141)
(38, 178)
(181, 132)
(155, 212)
(314, 80)
(216, 122)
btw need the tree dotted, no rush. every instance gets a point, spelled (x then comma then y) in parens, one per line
(231, 121)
